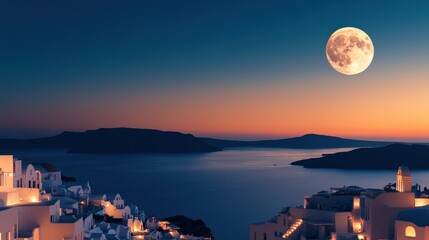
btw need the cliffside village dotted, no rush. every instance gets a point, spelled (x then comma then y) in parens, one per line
(399, 211)
(35, 204)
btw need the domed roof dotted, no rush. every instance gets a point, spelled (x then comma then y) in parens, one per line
(404, 171)
(418, 216)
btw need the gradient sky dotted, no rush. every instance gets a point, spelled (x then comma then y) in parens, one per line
(254, 69)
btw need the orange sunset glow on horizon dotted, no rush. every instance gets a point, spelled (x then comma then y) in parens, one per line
(373, 107)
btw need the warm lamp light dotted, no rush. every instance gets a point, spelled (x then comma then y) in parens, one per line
(410, 232)
(357, 226)
(356, 203)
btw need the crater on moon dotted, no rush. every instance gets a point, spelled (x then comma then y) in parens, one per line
(349, 50)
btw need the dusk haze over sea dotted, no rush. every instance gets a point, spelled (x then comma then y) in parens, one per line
(214, 120)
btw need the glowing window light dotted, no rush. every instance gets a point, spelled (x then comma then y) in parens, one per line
(356, 203)
(357, 226)
(410, 232)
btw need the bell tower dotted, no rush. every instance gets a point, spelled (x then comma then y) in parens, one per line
(403, 179)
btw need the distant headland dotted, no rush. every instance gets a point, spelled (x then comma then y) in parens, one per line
(116, 140)
(415, 156)
(132, 140)
(307, 141)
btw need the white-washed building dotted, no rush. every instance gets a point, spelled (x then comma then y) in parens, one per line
(36, 205)
(354, 213)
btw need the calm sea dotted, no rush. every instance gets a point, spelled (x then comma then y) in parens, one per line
(228, 189)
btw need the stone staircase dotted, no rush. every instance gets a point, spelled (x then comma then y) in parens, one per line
(296, 225)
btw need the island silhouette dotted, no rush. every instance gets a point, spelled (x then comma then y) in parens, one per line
(415, 156)
(132, 140)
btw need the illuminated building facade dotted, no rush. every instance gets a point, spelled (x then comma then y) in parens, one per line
(400, 213)
(36, 205)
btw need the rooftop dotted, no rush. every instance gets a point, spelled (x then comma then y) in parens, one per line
(67, 219)
(373, 193)
(404, 171)
(35, 204)
(418, 216)
(65, 201)
(111, 196)
(94, 196)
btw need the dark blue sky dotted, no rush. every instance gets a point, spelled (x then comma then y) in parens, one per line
(61, 60)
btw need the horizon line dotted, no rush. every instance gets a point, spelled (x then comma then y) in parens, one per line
(30, 134)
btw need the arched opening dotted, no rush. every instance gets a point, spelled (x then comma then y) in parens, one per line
(410, 232)
(36, 235)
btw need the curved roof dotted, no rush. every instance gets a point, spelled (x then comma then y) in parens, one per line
(47, 166)
(40, 168)
(24, 166)
(404, 171)
(94, 196)
(418, 216)
(111, 196)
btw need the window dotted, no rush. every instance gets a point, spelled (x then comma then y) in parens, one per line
(367, 213)
(349, 225)
(410, 232)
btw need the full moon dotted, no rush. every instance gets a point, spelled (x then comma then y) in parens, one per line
(349, 50)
